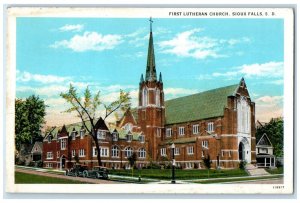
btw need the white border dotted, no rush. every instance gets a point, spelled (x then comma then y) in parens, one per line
(285, 14)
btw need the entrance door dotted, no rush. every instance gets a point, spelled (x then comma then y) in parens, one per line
(241, 151)
(63, 162)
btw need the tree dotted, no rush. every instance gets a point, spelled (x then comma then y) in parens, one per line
(207, 163)
(87, 109)
(132, 159)
(29, 118)
(274, 130)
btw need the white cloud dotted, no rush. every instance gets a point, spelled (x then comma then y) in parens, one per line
(73, 28)
(171, 93)
(204, 77)
(27, 77)
(47, 91)
(89, 41)
(187, 44)
(139, 41)
(118, 87)
(277, 82)
(136, 33)
(268, 107)
(269, 99)
(268, 70)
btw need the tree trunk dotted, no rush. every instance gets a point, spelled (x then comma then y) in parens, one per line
(98, 149)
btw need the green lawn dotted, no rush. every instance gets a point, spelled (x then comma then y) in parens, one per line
(165, 174)
(24, 178)
(278, 170)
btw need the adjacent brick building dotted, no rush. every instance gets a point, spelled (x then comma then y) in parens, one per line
(218, 123)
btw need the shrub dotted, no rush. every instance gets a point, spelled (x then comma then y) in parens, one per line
(153, 166)
(39, 164)
(207, 162)
(31, 164)
(279, 163)
(242, 165)
(21, 162)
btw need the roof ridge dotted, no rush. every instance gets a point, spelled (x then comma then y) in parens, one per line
(202, 92)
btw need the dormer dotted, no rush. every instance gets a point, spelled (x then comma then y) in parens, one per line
(73, 134)
(50, 138)
(115, 136)
(129, 137)
(101, 134)
(142, 138)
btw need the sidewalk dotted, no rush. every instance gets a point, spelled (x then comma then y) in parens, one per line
(130, 179)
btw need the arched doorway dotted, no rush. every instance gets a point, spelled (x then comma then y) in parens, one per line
(244, 150)
(241, 151)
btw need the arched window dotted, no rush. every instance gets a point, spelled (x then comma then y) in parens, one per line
(145, 97)
(142, 153)
(128, 152)
(157, 97)
(115, 151)
(243, 115)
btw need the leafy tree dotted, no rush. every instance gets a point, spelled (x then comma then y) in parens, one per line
(132, 159)
(274, 130)
(29, 118)
(207, 163)
(87, 109)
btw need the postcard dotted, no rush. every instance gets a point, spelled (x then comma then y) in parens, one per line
(149, 100)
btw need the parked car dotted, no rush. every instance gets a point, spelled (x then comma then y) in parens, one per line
(96, 172)
(77, 170)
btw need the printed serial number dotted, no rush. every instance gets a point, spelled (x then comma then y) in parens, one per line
(278, 187)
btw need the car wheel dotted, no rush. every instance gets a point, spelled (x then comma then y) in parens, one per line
(85, 174)
(105, 175)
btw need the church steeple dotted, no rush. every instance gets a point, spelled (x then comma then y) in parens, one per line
(160, 78)
(151, 70)
(142, 79)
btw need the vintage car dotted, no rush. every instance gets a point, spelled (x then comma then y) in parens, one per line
(77, 170)
(96, 172)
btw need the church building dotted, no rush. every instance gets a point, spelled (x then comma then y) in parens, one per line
(218, 124)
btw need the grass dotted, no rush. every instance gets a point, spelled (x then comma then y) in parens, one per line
(236, 179)
(278, 170)
(165, 174)
(24, 178)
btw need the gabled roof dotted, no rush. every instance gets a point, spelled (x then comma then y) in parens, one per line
(199, 106)
(122, 133)
(38, 145)
(74, 127)
(264, 141)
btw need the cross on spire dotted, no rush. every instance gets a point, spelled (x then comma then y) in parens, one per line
(151, 21)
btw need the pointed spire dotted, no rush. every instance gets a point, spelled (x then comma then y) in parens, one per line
(151, 71)
(142, 79)
(160, 77)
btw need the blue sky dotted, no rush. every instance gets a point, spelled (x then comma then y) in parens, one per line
(193, 55)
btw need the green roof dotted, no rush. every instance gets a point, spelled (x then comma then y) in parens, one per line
(198, 106)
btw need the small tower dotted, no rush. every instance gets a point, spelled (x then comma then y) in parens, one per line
(151, 110)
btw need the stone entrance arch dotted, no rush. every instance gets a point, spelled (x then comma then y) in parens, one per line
(245, 150)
